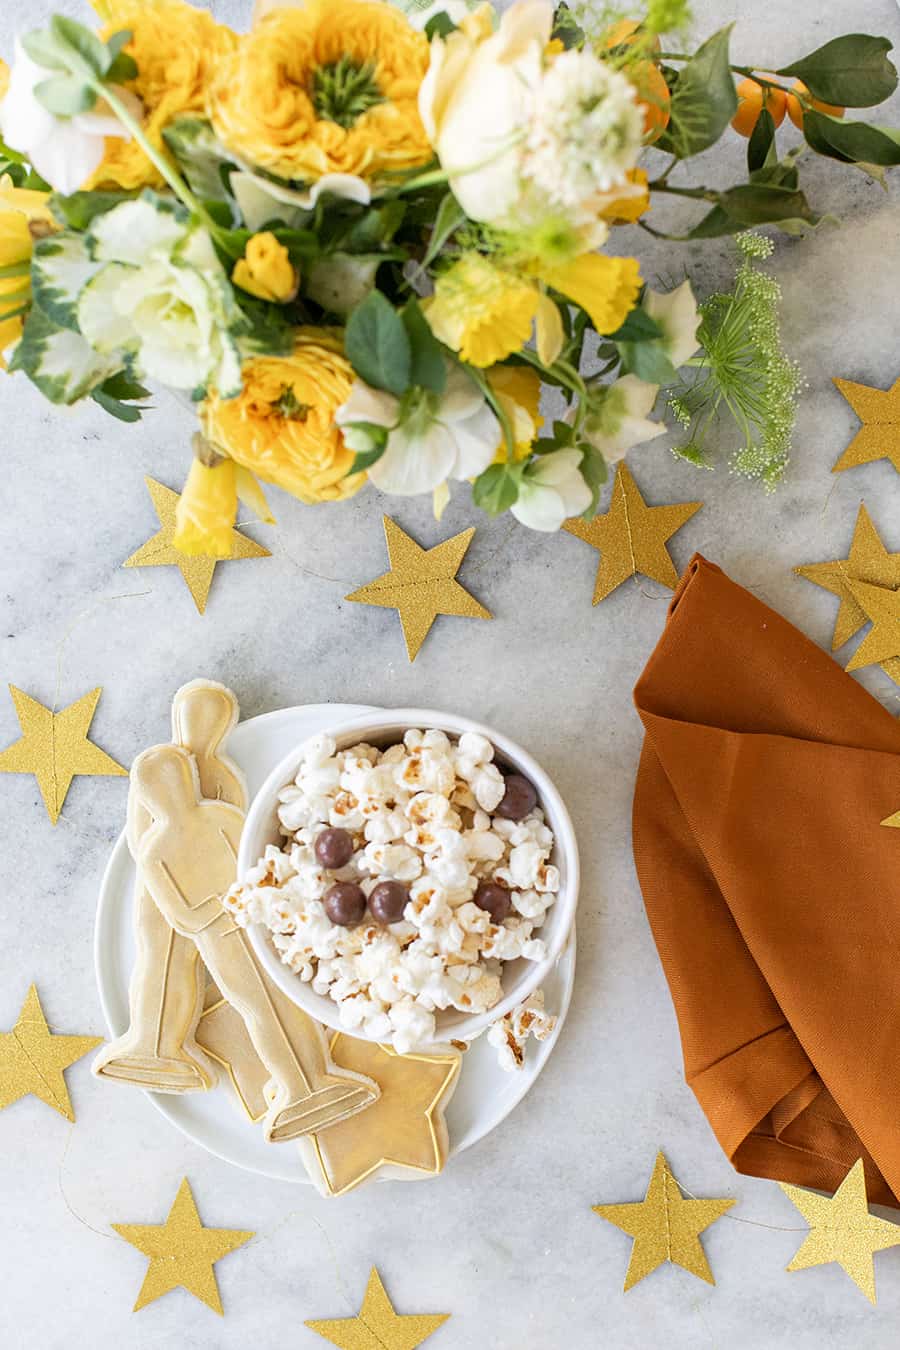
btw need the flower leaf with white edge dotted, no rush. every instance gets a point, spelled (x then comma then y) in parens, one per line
(97, 313)
(61, 266)
(62, 364)
(200, 154)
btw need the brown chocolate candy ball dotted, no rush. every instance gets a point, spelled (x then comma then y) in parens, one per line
(334, 848)
(345, 903)
(388, 901)
(518, 800)
(494, 898)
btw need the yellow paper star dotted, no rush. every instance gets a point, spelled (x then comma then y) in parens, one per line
(182, 1252)
(632, 536)
(401, 1129)
(421, 584)
(161, 552)
(841, 1229)
(869, 561)
(32, 1059)
(378, 1327)
(882, 643)
(54, 746)
(665, 1226)
(879, 435)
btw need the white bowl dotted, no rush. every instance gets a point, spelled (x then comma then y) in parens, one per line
(519, 978)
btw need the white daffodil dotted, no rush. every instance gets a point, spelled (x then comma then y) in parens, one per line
(551, 490)
(430, 437)
(618, 419)
(677, 315)
(160, 294)
(64, 150)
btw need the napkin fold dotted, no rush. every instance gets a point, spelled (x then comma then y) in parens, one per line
(772, 888)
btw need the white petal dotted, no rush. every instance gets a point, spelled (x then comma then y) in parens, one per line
(130, 233)
(556, 469)
(365, 404)
(640, 395)
(476, 442)
(414, 464)
(99, 318)
(540, 508)
(67, 158)
(676, 313)
(461, 396)
(261, 200)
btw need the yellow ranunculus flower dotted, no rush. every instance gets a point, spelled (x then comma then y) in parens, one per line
(328, 87)
(177, 49)
(281, 426)
(24, 215)
(518, 390)
(481, 311)
(207, 510)
(266, 270)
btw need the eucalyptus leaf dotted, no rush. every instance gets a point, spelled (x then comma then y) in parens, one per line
(377, 345)
(853, 71)
(851, 142)
(43, 48)
(703, 100)
(428, 369)
(85, 53)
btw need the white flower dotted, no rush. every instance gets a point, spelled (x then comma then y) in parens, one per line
(430, 437)
(477, 101)
(619, 421)
(64, 150)
(587, 129)
(551, 490)
(677, 315)
(161, 294)
(261, 200)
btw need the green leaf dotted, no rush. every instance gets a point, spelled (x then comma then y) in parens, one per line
(123, 68)
(703, 100)
(62, 365)
(123, 386)
(567, 28)
(364, 459)
(375, 227)
(497, 489)
(754, 204)
(852, 71)
(647, 360)
(595, 472)
(60, 267)
(44, 48)
(851, 142)
(86, 54)
(199, 154)
(762, 138)
(639, 326)
(449, 217)
(563, 433)
(65, 95)
(124, 412)
(377, 345)
(439, 25)
(428, 369)
(80, 208)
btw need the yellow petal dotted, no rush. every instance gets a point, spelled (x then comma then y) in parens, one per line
(440, 498)
(605, 288)
(252, 495)
(548, 330)
(207, 510)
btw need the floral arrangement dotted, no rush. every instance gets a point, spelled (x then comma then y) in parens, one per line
(363, 241)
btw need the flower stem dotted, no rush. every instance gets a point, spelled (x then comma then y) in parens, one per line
(484, 385)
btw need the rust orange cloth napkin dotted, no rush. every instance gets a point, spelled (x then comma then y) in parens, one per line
(772, 889)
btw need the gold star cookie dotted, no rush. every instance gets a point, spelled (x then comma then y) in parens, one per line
(54, 746)
(32, 1059)
(665, 1226)
(632, 536)
(879, 435)
(378, 1326)
(160, 551)
(421, 584)
(182, 1252)
(869, 561)
(882, 642)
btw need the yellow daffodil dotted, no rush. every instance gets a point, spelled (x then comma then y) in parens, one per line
(624, 208)
(24, 216)
(518, 391)
(281, 426)
(606, 288)
(266, 270)
(177, 49)
(207, 510)
(326, 87)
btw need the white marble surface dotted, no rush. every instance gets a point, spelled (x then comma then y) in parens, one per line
(505, 1241)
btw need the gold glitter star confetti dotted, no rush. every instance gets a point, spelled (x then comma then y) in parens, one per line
(54, 746)
(32, 1059)
(182, 1252)
(421, 584)
(879, 435)
(841, 1229)
(665, 1226)
(161, 552)
(378, 1326)
(869, 561)
(632, 536)
(881, 645)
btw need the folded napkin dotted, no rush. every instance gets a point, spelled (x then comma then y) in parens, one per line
(772, 888)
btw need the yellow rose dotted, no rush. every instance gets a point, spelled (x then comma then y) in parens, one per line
(327, 88)
(177, 49)
(207, 510)
(281, 427)
(266, 270)
(24, 216)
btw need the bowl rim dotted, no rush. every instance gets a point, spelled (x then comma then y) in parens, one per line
(466, 1027)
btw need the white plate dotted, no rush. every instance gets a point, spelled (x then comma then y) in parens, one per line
(485, 1094)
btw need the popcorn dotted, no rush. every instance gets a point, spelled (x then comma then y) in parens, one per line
(510, 1033)
(418, 813)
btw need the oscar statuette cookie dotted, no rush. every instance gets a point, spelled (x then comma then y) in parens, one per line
(222, 1036)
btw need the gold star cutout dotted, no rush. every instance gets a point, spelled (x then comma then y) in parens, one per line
(378, 1327)
(32, 1059)
(182, 1252)
(421, 584)
(405, 1127)
(879, 435)
(665, 1226)
(161, 552)
(632, 536)
(868, 561)
(54, 746)
(841, 1229)
(882, 643)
